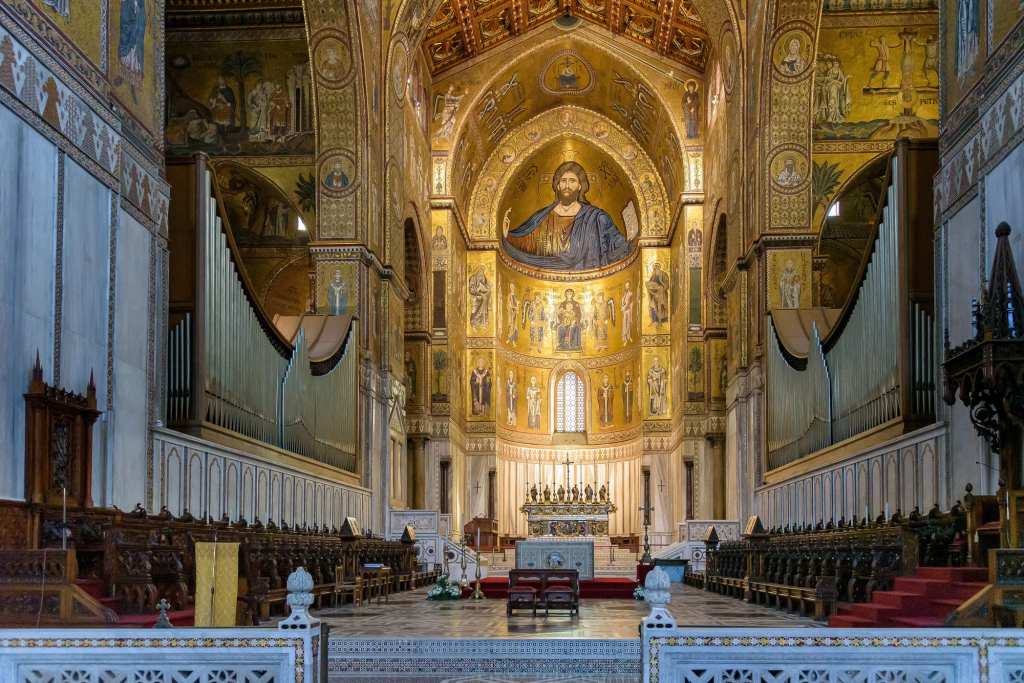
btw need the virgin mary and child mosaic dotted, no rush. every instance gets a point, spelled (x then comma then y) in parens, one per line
(570, 233)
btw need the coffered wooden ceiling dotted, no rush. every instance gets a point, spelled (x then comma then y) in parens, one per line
(462, 29)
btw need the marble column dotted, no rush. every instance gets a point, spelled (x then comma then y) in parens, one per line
(712, 473)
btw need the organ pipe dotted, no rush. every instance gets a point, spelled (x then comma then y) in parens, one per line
(314, 422)
(244, 366)
(801, 423)
(877, 365)
(864, 358)
(230, 367)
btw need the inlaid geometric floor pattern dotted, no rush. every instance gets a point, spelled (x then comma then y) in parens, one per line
(413, 640)
(411, 615)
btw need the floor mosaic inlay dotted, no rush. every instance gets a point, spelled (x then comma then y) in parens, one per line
(413, 640)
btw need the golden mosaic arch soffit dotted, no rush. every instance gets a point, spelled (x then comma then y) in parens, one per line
(474, 143)
(459, 30)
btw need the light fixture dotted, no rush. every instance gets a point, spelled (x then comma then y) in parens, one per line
(568, 22)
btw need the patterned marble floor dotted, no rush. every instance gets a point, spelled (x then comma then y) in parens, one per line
(411, 615)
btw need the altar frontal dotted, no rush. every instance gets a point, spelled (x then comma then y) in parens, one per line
(556, 554)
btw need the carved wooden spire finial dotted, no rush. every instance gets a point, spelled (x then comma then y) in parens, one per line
(36, 385)
(1004, 300)
(90, 391)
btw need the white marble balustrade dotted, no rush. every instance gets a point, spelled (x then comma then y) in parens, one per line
(904, 473)
(728, 655)
(206, 478)
(178, 655)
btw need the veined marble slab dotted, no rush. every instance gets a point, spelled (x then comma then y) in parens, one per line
(556, 554)
(438, 659)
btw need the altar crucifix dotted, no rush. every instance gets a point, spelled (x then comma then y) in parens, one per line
(567, 463)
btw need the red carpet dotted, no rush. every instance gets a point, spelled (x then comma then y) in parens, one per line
(96, 589)
(608, 588)
(922, 600)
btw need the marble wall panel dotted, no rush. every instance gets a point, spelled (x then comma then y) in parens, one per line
(962, 246)
(1005, 202)
(85, 301)
(28, 231)
(901, 474)
(187, 475)
(131, 355)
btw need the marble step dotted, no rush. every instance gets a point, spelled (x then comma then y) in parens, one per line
(599, 572)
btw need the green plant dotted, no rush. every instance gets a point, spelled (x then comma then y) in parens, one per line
(305, 190)
(442, 590)
(824, 180)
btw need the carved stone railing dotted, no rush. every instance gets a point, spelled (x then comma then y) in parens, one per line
(727, 655)
(902, 473)
(175, 656)
(204, 478)
(294, 652)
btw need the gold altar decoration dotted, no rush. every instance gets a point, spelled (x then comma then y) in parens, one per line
(553, 510)
(579, 518)
(216, 584)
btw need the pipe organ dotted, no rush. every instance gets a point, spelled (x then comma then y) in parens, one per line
(229, 366)
(875, 367)
(310, 421)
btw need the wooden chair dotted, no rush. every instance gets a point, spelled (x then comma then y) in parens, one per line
(524, 590)
(562, 591)
(345, 586)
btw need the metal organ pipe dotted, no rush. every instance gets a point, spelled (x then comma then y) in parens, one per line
(798, 415)
(316, 421)
(852, 384)
(252, 383)
(865, 358)
(244, 367)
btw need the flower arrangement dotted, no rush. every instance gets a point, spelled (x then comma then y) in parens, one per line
(639, 593)
(442, 590)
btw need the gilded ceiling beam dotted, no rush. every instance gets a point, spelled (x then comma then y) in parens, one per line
(229, 5)
(665, 25)
(465, 15)
(518, 17)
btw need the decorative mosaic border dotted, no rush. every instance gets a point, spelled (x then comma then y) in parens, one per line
(62, 46)
(55, 102)
(999, 125)
(503, 656)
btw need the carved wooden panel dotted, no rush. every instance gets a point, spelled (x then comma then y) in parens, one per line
(58, 443)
